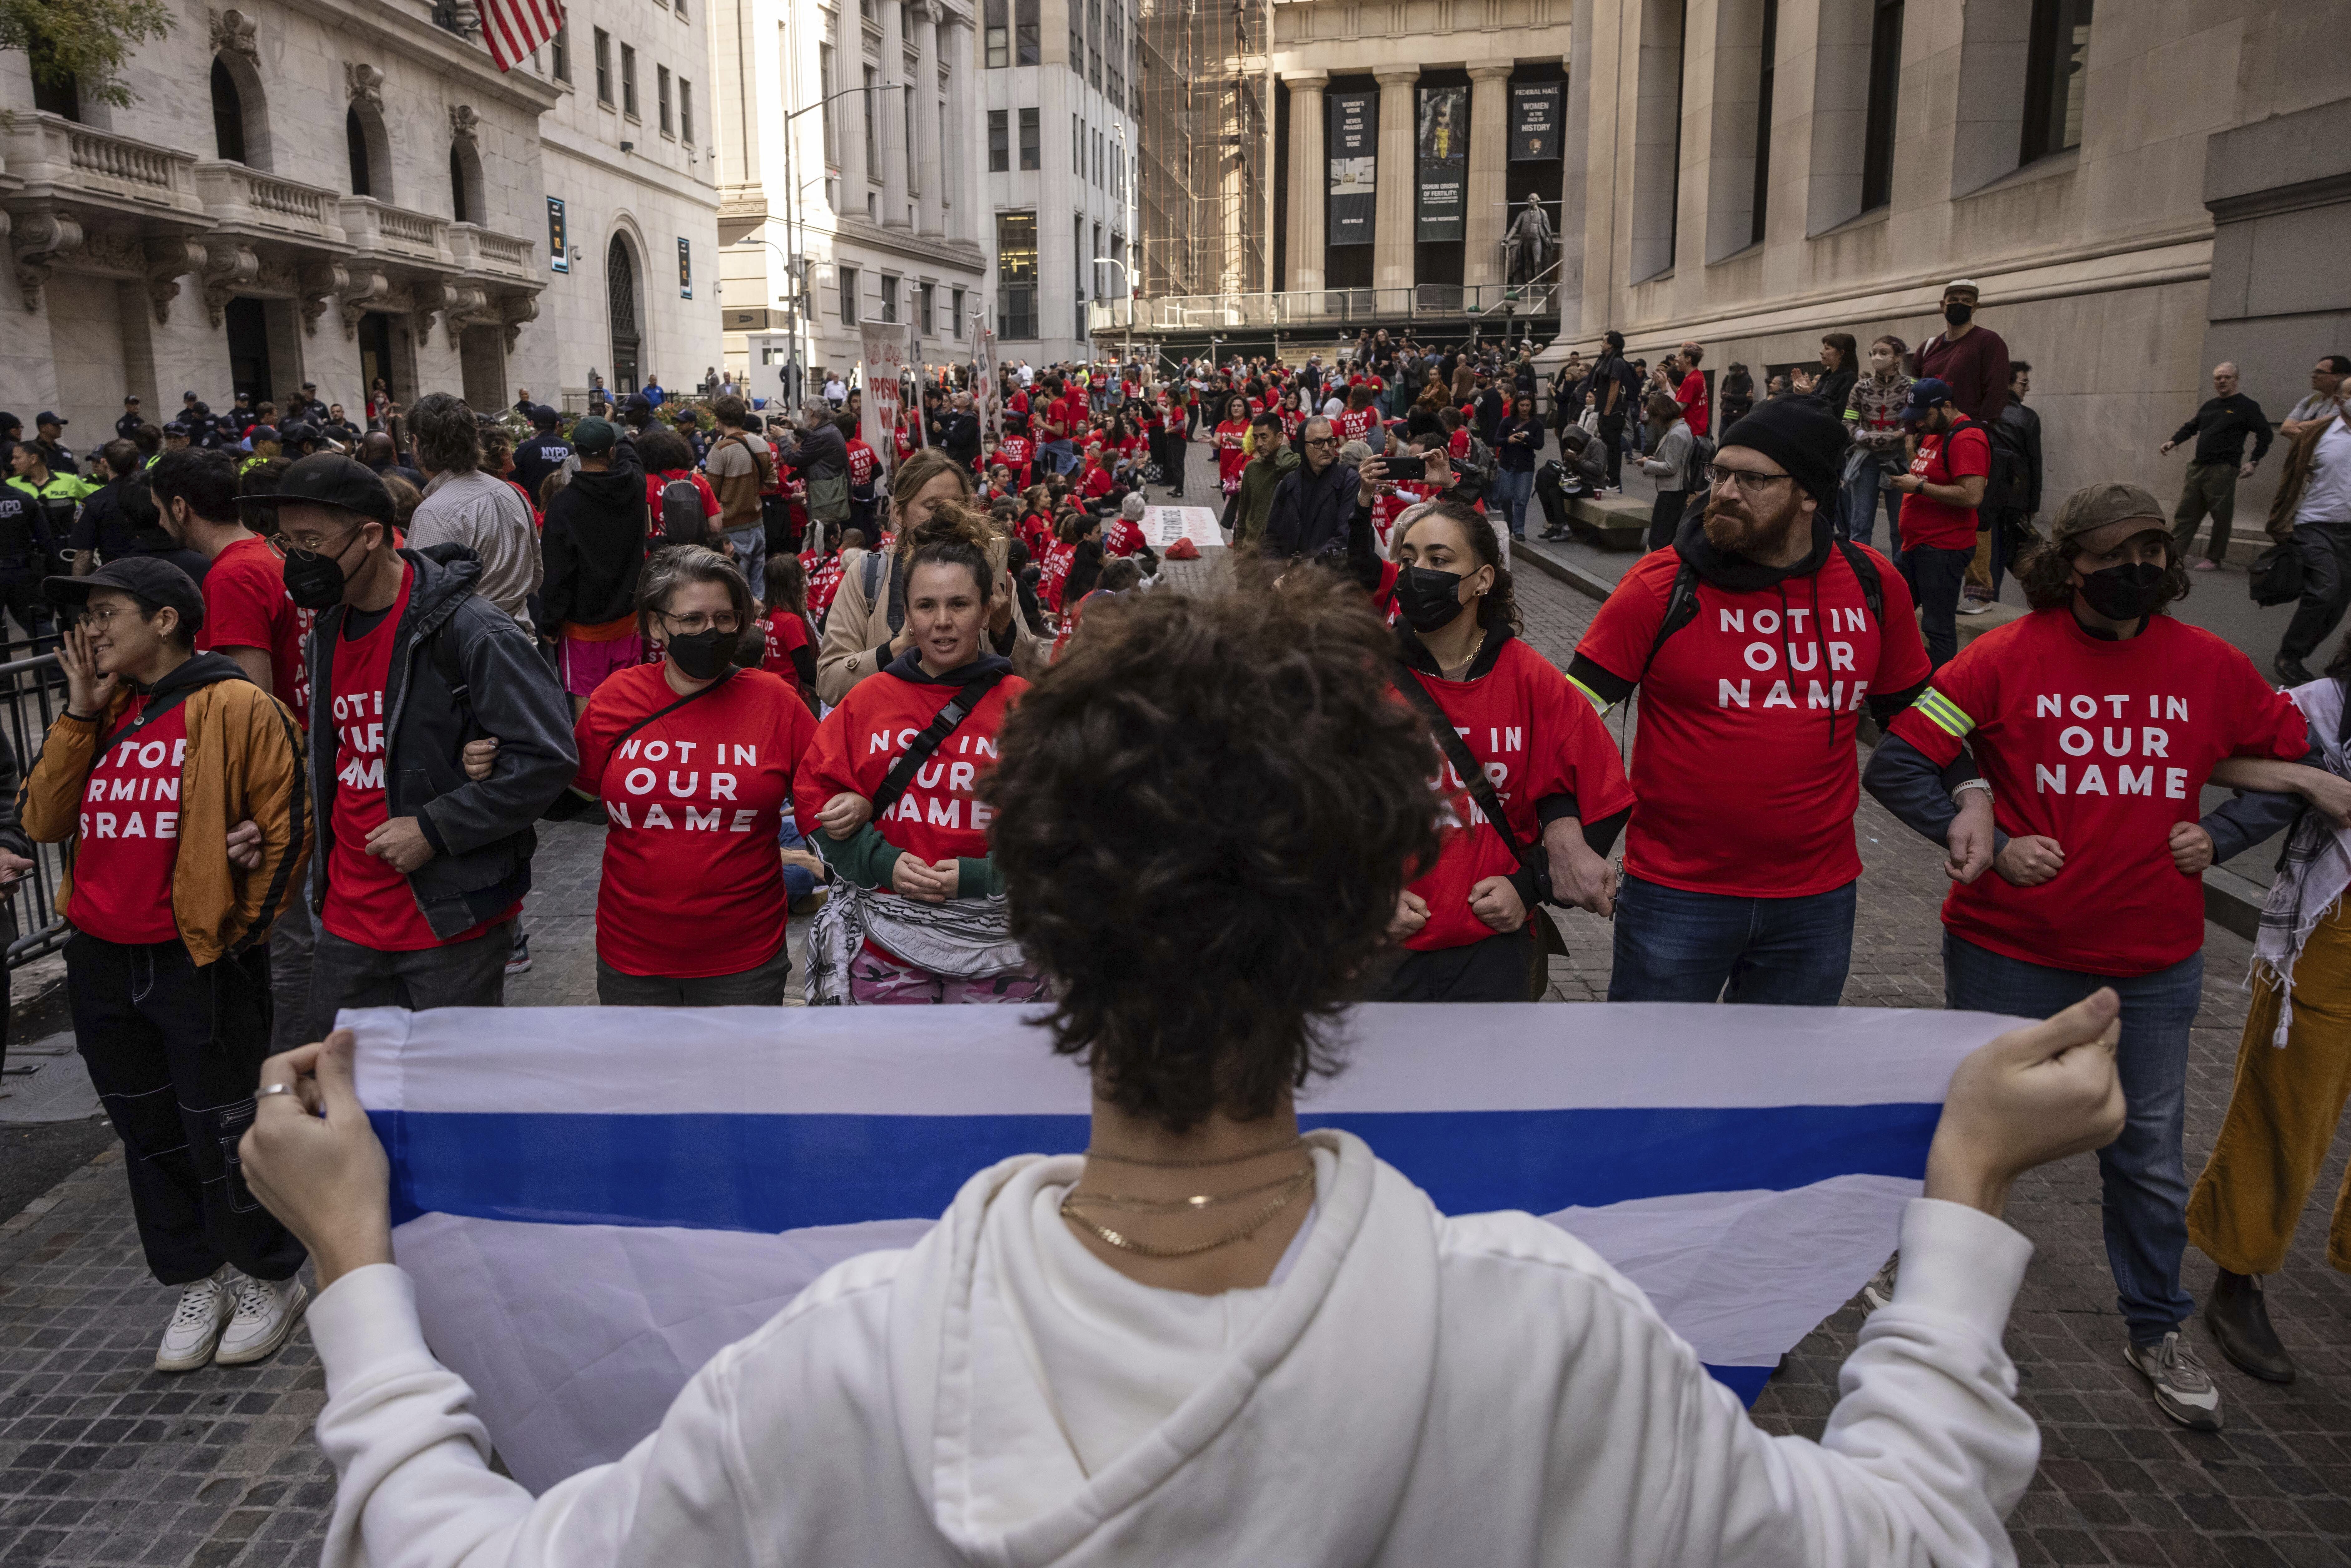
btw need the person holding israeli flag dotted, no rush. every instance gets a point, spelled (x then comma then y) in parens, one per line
(1209, 1340)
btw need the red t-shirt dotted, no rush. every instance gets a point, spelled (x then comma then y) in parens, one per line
(1692, 397)
(2102, 747)
(368, 901)
(1095, 482)
(655, 483)
(1014, 452)
(824, 583)
(1457, 445)
(694, 801)
(1946, 460)
(1230, 458)
(1293, 420)
(786, 632)
(1747, 778)
(129, 838)
(904, 441)
(1356, 425)
(940, 815)
(1121, 537)
(246, 606)
(1535, 736)
(863, 463)
(1053, 571)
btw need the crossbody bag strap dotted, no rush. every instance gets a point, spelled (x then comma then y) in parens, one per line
(661, 713)
(154, 711)
(1465, 762)
(959, 707)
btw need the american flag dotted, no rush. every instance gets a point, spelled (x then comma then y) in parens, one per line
(515, 28)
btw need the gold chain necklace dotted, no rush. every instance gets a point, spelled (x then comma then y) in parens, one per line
(1296, 1143)
(1303, 1182)
(1080, 1196)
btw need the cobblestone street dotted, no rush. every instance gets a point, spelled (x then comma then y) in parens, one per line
(104, 1461)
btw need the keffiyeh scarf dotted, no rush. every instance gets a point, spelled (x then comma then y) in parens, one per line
(2316, 868)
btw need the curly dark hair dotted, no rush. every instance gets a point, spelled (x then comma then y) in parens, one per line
(1500, 606)
(1199, 952)
(663, 451)
(448, 437)
(2046, 572)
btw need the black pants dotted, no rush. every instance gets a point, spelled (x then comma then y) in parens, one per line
(760, 986)
(469, 974)
(1492, 971)
(20, 592)
(2325, 586)
(175, 1052)
(1666, 518)
(1934, 576)
(1612, 434)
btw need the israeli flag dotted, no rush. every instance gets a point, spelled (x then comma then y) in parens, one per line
(595, 1201)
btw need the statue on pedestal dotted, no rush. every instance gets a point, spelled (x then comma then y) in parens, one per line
(1528, 247)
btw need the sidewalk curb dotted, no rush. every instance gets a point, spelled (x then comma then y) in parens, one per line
(2230, 901)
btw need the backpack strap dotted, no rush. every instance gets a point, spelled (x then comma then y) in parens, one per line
(1865, 571)
(959, 707)
(1681, 609)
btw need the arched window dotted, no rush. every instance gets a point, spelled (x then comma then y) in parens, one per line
(620, 296)
(355, 136)
(228, 114)
(461, 202)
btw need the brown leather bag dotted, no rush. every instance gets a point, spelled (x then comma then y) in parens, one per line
(2292, 481)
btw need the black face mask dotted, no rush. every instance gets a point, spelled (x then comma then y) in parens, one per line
(315, 581)
(1428, 598)
(1959, 314)
(703, 653)
(2124, 593)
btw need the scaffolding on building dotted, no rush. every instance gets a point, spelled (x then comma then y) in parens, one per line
(1206, 129)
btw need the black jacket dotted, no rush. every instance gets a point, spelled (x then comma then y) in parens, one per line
(2015, 481)
(1309, 512)
(594, 548)
(819, 453)
(958, 437)
(2220, 426)
(481, 833)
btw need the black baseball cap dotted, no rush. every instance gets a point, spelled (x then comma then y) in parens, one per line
(130, 397)
(46, 417)
(328, 479)
(148, 579)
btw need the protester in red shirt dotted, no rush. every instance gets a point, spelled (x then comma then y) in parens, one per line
(917, 866)
(1691, 393)
(1739, 865)
(1465, 921)
(1360, 419)
(694, 759)
(669, 460)
(1014, 452)
(1094, 481)
(2097, 722)
(1940, 497)
(790, 650)
(1231, 441)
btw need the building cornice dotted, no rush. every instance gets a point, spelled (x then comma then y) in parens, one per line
(397, 27)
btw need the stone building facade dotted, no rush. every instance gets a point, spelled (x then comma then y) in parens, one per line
(331, 197)
(847, 153)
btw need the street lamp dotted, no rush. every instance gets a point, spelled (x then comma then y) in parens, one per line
(792, 200)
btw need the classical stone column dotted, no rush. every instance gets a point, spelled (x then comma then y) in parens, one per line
(1489, 134)
(930, 163)
(1393, 238)
(961, 152)
(848, 116)
(1310, 178)
(890, 114)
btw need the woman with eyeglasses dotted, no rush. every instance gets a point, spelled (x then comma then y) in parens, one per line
(693, 759)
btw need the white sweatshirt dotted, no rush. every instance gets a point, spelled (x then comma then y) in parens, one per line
(1416, 1390)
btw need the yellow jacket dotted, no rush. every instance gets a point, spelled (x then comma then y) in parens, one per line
(244, 762)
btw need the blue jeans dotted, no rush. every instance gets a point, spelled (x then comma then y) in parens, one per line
(1936, 576)
(2146, 1191)
(1061, 454)
(1674, 946)
(751, 554)
(799, 880)
(1512, 488)
(1861, 499)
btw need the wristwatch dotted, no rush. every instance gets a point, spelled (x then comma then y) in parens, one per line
(1966, 784)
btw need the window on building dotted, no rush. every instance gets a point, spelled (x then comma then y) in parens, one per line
(1885, 86)
(685, 111)
(2057, 62)
(1015, 275)
(955, 327)
(848, 275)
(1028, 37)
(1763, 123)
(603, 67)
(681, 10)
(1656, 138)
(559, 57)
(1032, 137)
(999, 38)
(461, 205)
(906, 140)
(865, 100)
(827, 74)
(629, 80)
(1000, 141)
(1094, 261)
(926, 299)
(1077, 148)
(1077, 38)
(660, 99)
(228, 115)
(889, 300)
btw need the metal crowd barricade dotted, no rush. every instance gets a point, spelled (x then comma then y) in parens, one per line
(33, 698)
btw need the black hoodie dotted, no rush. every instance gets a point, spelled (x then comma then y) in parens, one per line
(594, 548)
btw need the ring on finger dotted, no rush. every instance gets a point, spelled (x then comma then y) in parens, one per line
(270, 1088)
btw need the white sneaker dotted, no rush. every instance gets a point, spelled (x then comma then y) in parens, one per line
(2183, 1389)
(267, 1311)
(1972, 607)
(196, 1326)
(1879, 1292)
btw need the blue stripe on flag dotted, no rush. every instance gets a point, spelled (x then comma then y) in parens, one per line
(776, 1173)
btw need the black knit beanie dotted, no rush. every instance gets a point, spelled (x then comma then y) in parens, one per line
(1801, 436)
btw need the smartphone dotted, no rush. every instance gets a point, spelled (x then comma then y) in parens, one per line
(1407, 467)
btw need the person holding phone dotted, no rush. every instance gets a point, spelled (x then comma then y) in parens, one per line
(1518, 439)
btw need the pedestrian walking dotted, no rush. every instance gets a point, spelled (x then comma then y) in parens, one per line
(2095, 722)
(2318, 406)
(1756, 642)
(1669, 465)
(1949, 472)
(2013, 498)
(1518, 441)
(160, 754)
(2321, 532)
(2218, 428)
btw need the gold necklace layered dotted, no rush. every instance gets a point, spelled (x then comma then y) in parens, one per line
(1074, 1201)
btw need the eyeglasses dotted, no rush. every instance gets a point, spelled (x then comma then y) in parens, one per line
(102, 619)
(303, 547)
(693, 625)
(1321, 441)
(1749, 481)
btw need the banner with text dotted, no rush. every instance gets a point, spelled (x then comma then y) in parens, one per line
(885, 370)
(1354, 139)
(1534, 121)
(1444, 143)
